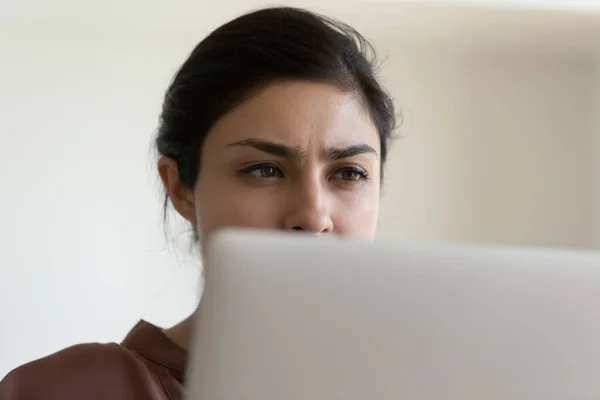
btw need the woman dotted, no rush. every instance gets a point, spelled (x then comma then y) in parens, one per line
(274, 121)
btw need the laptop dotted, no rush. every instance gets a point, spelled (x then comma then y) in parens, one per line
(294, 317)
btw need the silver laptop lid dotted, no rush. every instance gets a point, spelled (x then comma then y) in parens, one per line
(295, 318)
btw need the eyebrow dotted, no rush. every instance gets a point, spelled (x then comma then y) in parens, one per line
(289, 152)
(275, 149)
(350, 151)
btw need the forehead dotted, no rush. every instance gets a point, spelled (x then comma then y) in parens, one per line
(301, 114)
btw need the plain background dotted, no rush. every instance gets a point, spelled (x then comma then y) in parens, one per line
(500, 144)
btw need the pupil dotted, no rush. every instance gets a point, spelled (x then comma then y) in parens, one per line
(268, 172)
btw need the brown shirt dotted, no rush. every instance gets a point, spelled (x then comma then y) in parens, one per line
(147, 365)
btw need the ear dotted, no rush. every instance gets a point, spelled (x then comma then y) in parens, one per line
(181, 196)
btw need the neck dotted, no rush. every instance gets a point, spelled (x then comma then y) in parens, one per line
(180, 334)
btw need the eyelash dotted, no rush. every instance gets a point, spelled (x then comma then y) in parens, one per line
(363, 175)
(258, 167)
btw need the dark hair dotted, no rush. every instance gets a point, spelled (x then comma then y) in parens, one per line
(251, 51)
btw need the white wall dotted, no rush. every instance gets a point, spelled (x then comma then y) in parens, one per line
(496, 148)
(81, 236)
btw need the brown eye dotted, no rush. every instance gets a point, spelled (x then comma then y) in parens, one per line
(264, 171)
(351, 174)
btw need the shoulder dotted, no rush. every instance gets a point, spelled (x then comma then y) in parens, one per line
(83, 371)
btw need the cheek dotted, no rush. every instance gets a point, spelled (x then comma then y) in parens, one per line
(360, 225)
(357, 216)
(222, 207)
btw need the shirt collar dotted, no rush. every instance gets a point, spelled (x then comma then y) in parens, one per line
(150, 342)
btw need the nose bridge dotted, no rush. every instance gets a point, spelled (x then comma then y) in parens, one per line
(310, 206)
(310, 190)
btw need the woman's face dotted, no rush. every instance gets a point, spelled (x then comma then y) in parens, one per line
(296, 155)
